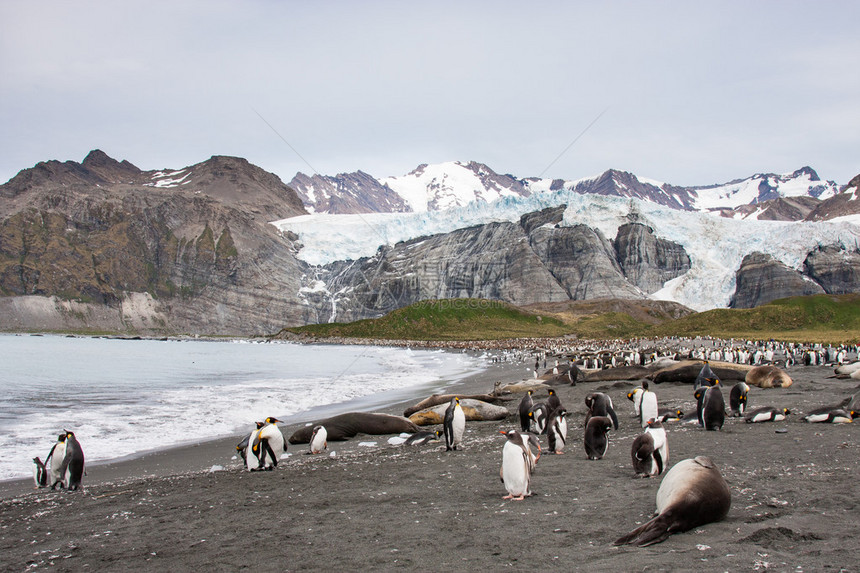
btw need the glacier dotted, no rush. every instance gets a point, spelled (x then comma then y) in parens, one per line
(716, 245)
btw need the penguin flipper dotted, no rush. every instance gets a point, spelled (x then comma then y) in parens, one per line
(613, 416)
(659, 459)
(271, 454)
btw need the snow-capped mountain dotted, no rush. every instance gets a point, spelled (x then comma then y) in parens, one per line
(453, 184)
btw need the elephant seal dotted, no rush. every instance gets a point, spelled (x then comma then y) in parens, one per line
(768, 376)
(475, 411)
(686, 371)
(618, 373)
(437, 399)
(517, 387)
(347, 425)
(691, 494)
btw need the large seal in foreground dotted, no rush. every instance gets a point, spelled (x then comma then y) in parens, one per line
(693, 493)
(475, 411)
(348, 425)
(768, 376)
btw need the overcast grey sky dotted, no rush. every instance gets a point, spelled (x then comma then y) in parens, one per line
(694, 92)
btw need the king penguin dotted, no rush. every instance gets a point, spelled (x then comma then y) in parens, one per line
(738, 399)
(596, 440)
(516, 467)
(713, 407)
(648, 409)
(553, 402)
(421, 438)
(54, 461)
(766, 414)
(73, 462)
(266, 443)
(600, 404)
(454, 425)
(526, 405)
(557, 431)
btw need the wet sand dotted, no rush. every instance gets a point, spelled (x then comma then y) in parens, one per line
(399, 507)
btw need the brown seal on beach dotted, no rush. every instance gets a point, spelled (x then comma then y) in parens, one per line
(475, 411)
(437, 399)
(693, 493)
(348, 425)
(768, 376)
(687, 370)
(618, 373)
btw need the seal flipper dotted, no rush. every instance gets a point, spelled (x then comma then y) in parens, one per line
(655, 531)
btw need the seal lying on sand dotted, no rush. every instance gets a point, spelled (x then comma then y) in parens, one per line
(768, 376)
(693, 493)
(618, 373)
(687, 370)
(437, 399)
(348, 425)
(475, 411)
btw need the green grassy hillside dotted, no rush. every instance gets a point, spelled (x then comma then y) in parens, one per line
(447, 319)
(820, 318)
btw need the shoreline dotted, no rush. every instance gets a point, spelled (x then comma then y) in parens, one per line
(406, 507)
(200, 456)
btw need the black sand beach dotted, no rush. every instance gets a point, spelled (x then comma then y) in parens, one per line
(398, 507)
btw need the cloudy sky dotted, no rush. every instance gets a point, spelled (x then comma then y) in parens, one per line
(690, 93)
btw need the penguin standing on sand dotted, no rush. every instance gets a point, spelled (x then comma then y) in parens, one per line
(557, 431)
(766, 414)
(266, 443)
(635, 396)
(713, 409)
(648, 409)
(242, 447)
(553, 402)
(454, 425)
(650, 450)
(738, 399)
(705, 377)
(73, 462)
(516, 468)
(54, 461)
(40, 473)
(596, 439)
(526, 405)
(540, 416)
(421, 438)
(318, 442)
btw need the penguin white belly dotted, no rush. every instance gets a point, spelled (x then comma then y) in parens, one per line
(318, 443)
(275, 437)
(816, 418)
(648, 408)
(515, 470)
(661, 445)
(252, 453)
(58, 453)
(458, 426)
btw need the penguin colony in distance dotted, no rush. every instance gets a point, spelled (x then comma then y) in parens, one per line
(454, 424)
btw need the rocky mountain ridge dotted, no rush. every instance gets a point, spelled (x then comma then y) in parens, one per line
(102, 245)
(454, 184)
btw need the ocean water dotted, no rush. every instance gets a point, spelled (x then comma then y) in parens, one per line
(126, 397)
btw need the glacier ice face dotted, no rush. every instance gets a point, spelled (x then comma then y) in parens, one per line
(716, 245)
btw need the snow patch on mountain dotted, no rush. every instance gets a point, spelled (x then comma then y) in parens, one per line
(716, 245)
(452, 184)
(760, 188)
